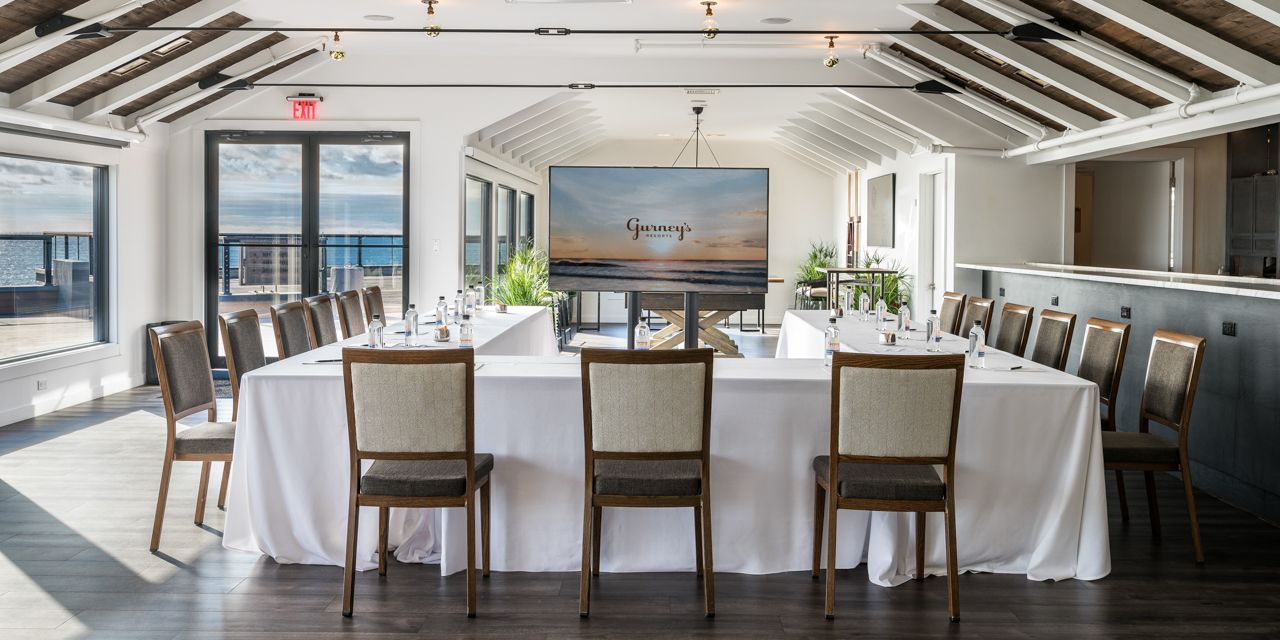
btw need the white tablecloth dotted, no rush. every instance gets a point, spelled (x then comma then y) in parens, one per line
(290, 473)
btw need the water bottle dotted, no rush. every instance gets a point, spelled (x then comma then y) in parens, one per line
(642, 336)
(904, 322)
(442, 313)
(466, 335)
(480, 299)
(411, 327)
(470, 301)
(882, 315)
(458, 303)
(977, 346)
(864, 307)
(375, 332)
(933, 333)
(832, 335)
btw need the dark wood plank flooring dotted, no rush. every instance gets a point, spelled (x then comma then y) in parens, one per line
(77, 494)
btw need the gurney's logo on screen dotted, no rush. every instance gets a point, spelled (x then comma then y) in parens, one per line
(656, 230)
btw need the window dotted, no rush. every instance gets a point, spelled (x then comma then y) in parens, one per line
(504, 229)
(526, 219)
(476, 247)
(298, 215)
(52, 258)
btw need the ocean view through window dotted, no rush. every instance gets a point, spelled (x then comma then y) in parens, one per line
(51, 277)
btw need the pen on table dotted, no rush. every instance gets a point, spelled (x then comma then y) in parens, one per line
(324, 361)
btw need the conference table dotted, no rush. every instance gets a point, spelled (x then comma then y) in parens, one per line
(1030, 494)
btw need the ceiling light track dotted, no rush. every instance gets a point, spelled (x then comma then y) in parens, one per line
(928, 86)
(104, 31)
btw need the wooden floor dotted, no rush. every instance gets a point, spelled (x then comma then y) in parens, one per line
(77, 493)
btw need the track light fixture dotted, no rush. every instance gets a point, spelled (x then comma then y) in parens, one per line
(336, 51)
(832, 59)
(932, 87)
(1033, 32)
(432, 27)
(709, 26)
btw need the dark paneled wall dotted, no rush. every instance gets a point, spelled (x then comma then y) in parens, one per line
(1235, 426)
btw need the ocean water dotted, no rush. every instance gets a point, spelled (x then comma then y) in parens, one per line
(369, 254)
(720, 276)
(19, 259)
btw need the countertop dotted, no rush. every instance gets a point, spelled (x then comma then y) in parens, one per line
(1229, 285)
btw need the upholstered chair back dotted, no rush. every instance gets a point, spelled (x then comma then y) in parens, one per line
(1172, 374)
(373, 303)
(320, 319)
(430, 419)
(350, 314)
(918, 428)
(186, 377)
(952, 305)
(1015, 325)
(976, 309)
(1102, 355)
(647, 408)
(290, 322)
(242, 339)
(1053, 339)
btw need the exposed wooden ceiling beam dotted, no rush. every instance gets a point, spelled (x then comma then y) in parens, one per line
(569, 147)
(836, 119)
(828, 147)
(236, 97)
(1017, 55)
(524, 115)
(1189, 40)
(559, 145)
(549, 134)
(513, 131)
(1016, 91)
(568, 114)
(1268, 10)
(27, 45)
(817, 150)
(104, 103)
(808, 156)
(904, 141)
(821, 168)
(839, 140)
(574, 154)
(127, 49)
(556, 141)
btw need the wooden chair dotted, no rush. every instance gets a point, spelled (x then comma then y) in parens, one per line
(1173, 373)
(422, 445)
(952, 306)
(372, 297)
(350, 314)
(885, 451)
(1102, 362)
(1015, 328)
(292, 330)
(186, 385)
(242, 341)
(320, 325)
(642, 453)
(977, 309)
(1053, 339)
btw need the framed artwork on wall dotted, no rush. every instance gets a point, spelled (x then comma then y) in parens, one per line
(880, 211)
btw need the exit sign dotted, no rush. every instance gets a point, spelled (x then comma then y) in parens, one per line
(304, 109)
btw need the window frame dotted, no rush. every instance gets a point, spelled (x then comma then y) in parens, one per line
(99, 262)
(533, 216)
(487, 214)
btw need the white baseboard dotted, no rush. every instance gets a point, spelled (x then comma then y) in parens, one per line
(34, 409)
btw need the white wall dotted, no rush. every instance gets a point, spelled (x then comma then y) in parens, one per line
(1131, 215)
(138, 261)
(800, 208)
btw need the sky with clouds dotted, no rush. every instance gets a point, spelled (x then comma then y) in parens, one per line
(361, 189)
(590, 207)
(40, 196)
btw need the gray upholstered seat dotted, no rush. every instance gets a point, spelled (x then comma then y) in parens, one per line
(951, 307)
(648, 477)
(1138, 448)
(320, 312)
(210, 437)
(1052, 339)
(883, 481)
(422, 478)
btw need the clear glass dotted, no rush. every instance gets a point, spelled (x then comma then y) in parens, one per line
(459, 303)
(480, 297)
(470, 302)
(375, 332)
(832, 339)
(933, 332)
(504, 229)
(864, 307)
(475, 267)
(50, 258)
(411, 327)
(977, 346)
(642, 336)
(259, 249)
(466, 334)
(526, 219)
(361, 198)
(442, 313)
(882, 315)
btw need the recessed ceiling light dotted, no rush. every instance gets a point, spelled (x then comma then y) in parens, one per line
(775, 21)
(1032, 79)
(956, 74)
(989, 58)
(171, 47)
(378, 18)
(993, 94)
(136, 64)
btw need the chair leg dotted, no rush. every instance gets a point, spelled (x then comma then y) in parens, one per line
(920, 524)
(1151, 502)
(349, 571)
(484, 529)
(831, 556)
(471, 556)
(697, 540)
(597, 517)
(162, 500)
(819, 512)
(384, 515)
(1191, 510)
(202, 492)
(584, 594)
(953, 567)
(708, 583)
(222, 494)
(1124, 501)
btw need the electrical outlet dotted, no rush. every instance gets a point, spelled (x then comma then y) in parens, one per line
(41, 385)
(1126, 313)
(1001, 292)
(1229, 329)
(1053, 301)
(435, 245)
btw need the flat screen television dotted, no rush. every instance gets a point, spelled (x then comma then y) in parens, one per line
(658, 229)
